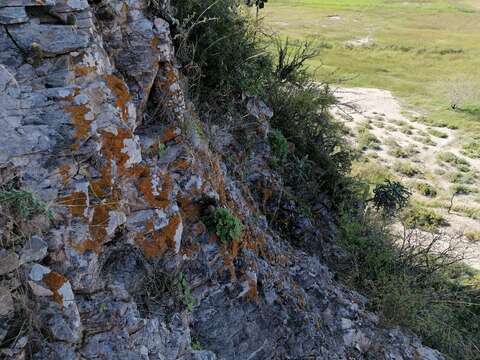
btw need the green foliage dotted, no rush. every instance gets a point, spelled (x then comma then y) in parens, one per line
(452, 159)
(407, 169)
(219, 50)
(390, 196)
(184, 292)
(25, 203)
(279, 146)
(414, 289)
(426, 190)
(473, 236)
(366, 140)
(424, 219)
(472, 149)
(438, 133)
(224, 224)
(461, 189)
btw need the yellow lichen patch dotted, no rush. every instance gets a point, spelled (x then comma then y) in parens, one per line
(159, 241)
(76, 203)
(155, 198)
(120, 90)
(81, 125)
(64, 171)
(112, 146)
(55, 281)
(83, 70)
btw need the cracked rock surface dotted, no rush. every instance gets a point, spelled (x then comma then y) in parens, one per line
(126, 196)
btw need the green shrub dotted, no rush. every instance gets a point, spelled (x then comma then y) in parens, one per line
(426, 189)
(462, 178)
(472, 149)
(461, 189)
(438, 133)
(279, 145)
(390, 196)
(407, 169)
(367, 140)
(424, 219)
(218, 49)
(224, 224)
(473, 236)
(454, 160)
(414, 289)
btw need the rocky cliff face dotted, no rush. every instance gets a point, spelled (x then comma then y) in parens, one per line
(124, 268)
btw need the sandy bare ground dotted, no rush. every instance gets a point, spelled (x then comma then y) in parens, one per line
(382, 114)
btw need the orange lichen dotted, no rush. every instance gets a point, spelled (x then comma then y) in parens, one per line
(252, 293)
(120, 90)
(181, 165)
(64, 171)
(88, 245)
(160, 200)
(190, 209)
(169, 134)
(76, 202)
(112, 146)
(55, 281)
(99, 222)
(83, 70)
(100, 187)
(82, 126)
(154, 43)
(160, 240)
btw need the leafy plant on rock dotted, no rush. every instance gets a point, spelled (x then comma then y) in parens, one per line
(224, 224)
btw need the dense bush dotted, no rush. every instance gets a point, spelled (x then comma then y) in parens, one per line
(219, 49)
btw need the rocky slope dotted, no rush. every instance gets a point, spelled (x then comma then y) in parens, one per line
(125, 269)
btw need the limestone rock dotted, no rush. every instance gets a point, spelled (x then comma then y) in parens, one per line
(8, 262)
(34, 250)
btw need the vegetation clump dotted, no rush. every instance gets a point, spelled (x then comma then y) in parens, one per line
(407, 169)
(390, 196)
(424, 219)
(279, 146)
(24, 202)
(224, 224)
(426, 189)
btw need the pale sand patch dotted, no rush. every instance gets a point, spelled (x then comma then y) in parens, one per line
(360, 105)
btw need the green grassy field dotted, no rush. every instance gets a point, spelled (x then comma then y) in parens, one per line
(418, 49)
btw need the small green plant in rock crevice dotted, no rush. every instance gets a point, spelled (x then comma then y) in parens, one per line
(184, 292)
(279, 145)
(24, 202)
(224, 224)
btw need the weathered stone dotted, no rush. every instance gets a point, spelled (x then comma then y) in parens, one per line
(8, 262)
(34, 250)
(6, 302)
(51, 40)
(12, 15)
